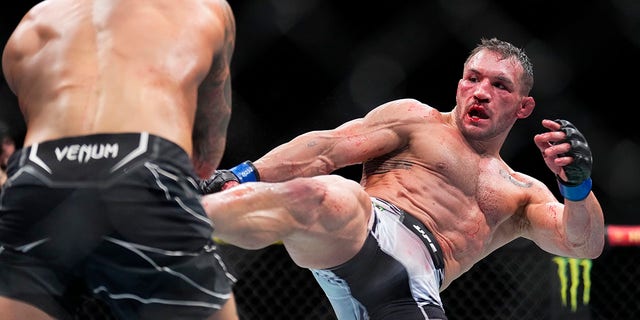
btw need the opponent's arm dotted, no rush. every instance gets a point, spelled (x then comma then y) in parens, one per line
(214, 103)
(575, 228)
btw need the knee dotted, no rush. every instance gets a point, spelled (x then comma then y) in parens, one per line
(329, 200)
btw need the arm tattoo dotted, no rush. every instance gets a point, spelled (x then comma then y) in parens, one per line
(513, 180)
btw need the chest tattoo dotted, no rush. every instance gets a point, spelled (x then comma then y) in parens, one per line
(380, 167)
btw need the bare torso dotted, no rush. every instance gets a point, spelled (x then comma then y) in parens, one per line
(469, 201)
(81, 66)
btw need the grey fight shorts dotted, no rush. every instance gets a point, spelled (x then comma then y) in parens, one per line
(397, 274)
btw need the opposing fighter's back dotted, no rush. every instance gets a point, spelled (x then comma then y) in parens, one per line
(126, 104)
(93, 66)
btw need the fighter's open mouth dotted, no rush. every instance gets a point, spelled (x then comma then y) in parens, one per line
(478, 113)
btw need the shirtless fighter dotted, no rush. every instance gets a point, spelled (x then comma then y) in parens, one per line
(435, 195)
(126, 104)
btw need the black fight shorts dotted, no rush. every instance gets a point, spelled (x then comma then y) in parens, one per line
(120, 215)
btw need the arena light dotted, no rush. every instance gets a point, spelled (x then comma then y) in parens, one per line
(623, 235)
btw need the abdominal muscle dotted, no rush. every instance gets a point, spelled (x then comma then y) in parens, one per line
(460, 227)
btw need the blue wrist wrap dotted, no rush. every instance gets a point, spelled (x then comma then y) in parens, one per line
(575, 193)
(246, 172)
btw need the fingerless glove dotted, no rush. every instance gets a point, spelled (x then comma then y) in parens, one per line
(578, 172)
(244, 172)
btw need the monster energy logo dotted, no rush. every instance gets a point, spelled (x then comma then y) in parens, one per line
(574, 266)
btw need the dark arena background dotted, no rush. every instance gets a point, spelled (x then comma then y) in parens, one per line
(302, 65)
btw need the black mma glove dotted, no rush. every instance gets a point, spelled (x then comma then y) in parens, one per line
(220, 180)
(578, 184)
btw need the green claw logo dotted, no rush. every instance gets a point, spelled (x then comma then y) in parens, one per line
(574, 266)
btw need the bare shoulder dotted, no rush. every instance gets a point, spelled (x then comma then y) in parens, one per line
(47, 10)
(24, 39)
(42, 6)
(536, 190)
(406, 111)
(223, 8)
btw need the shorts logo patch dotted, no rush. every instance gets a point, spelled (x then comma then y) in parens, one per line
(85, 152)
(424, 235)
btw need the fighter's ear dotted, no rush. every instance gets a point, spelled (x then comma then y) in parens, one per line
(526, 107)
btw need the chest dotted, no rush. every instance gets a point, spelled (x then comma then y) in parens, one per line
(480, 183)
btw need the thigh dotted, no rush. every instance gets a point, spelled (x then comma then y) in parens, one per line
(28, 284)
(160, 258)
(157, 207)
(59, 223)
(140, 282)
(11, 309)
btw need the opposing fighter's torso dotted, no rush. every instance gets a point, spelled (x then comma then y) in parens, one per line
(81, 66)
(469, 201)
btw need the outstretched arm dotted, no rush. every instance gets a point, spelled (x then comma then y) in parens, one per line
(383, 130)
(575, 228)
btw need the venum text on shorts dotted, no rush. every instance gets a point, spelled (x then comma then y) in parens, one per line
(85, 152)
